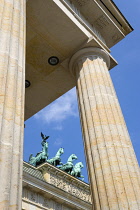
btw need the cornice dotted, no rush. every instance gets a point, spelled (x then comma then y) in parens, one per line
(56, 183)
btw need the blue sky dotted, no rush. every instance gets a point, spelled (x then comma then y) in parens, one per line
(60, 120)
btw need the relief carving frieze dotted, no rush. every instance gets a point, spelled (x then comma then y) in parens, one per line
(102, 22)
(45, 203)
(58, 206)
(37, 198)
(71, 188)
(75, 6)
(82, 3)
(115, 38)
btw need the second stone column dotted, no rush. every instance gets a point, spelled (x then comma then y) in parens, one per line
(112, 165)
(12, 91)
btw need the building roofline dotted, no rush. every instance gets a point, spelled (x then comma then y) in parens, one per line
(121, 14)
(117, 15)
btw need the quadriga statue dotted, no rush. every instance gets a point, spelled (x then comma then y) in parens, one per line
(56, 160)
(76, 171)
(67, 167)
(42, 156)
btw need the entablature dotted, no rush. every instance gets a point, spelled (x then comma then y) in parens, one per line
(61, 28)
(54, 184)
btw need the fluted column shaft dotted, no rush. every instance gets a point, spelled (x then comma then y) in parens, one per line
(112, 166)
(12, 87)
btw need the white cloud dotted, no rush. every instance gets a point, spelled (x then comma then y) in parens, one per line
(60, 109)
(58, 127)
(58, 142)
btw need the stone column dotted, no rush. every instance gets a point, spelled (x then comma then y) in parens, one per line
(112, 166)
(12, 87)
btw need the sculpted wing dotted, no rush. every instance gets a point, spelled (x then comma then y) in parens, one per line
(42, 135)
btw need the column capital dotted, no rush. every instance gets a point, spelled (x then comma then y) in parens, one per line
(86, 52)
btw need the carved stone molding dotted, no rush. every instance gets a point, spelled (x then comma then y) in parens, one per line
(60, 180)
(74, 7)
(82, 3)
(35, 198)
(73, 189)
